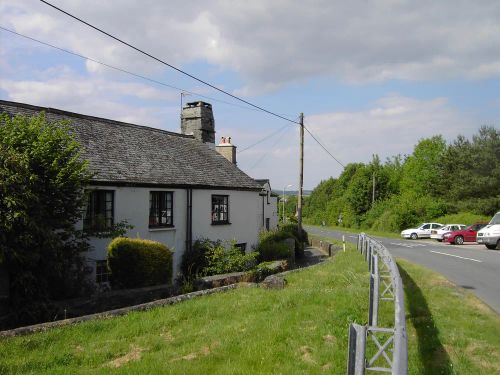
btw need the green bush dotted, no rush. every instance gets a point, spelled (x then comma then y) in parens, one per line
(136, 263)
(221, 260)
(403, 211)
(292, 231)
(271, 247)
(194, 261)
(462, 218)
(264, 270)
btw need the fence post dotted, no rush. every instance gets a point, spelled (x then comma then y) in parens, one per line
(356, 350)
(395, 355)
(374, 293)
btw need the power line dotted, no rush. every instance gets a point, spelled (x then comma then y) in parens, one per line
(123, 70)
(148, 79)
(267, 153)
(189, 75)
(269, 136)
(167, 64)
(323, 147)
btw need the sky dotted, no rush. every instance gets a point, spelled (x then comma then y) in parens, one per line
(371, 77)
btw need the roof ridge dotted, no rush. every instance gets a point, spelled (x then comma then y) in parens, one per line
(88, 117)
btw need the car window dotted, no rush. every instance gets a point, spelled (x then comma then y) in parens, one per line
(496, 219)
(426, 226)
(446, 227)
(453, 227)
(436, 226)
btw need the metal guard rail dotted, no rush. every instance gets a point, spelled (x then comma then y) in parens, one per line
(391, 344)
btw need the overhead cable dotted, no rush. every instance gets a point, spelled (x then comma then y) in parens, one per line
(167, 64)
(125, 71)
(323, 147)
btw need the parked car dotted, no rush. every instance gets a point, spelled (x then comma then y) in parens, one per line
(423, 231)
(437, 234)
(490, 234)
(466, 235)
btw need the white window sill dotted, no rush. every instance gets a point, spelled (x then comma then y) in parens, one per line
(166, 229)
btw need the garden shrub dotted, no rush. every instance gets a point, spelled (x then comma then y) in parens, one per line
(221, 260)
(136, 263)
(271, 245)
(292, 231)
(264, 270)
(194, 261)
(269, 249)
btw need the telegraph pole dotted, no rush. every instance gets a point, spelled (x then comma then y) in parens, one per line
(373, 190)
(301, 174)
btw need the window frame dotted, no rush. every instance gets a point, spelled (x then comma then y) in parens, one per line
(215, 215)
(102, 272)
(90, 221)
(242, 246)
(165, 201)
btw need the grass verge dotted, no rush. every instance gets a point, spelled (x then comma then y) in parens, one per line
(358, 231)
(450, 330)
(300, 329)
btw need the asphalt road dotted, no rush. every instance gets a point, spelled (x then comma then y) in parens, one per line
(470, 266)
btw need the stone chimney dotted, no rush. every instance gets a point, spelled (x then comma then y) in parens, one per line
(227, 149)
(197, 119)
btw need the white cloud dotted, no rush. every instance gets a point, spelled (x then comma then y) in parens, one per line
(96, 97)
(393, 125)
(272, 43)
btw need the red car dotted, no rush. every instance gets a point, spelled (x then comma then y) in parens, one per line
(458, 237)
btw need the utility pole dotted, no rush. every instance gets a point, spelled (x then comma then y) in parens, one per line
(373, 190)
(301, 174)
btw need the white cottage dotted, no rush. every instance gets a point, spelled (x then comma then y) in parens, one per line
(173, 188)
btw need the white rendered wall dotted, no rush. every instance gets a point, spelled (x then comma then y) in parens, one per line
(132, 204)
(244, 218)
(270, 208)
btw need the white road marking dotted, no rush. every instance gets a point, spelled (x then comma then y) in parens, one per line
(353, 236)
(401, 244)
(456, 256)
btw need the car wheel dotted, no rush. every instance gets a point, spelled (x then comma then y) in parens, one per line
(459, 240)
(414, 236)
(439, 240)
(491, 247)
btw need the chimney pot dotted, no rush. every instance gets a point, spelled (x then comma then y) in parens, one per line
(226, 149)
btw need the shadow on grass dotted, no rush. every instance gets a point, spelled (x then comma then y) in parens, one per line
(433, 356)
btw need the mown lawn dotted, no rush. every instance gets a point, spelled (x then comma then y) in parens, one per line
(301, 329)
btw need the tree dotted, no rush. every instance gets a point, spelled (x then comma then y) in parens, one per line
(421, 170)
(42, 180)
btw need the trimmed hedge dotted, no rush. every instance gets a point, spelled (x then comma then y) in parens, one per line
(136, 263)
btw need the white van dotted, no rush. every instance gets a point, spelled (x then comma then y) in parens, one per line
(490, 234)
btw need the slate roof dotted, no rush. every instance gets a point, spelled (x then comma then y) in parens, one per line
(262, 181)
(131, 155)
